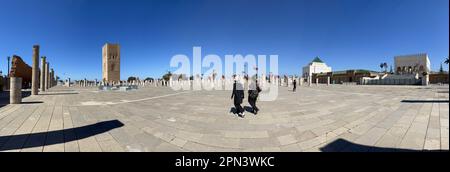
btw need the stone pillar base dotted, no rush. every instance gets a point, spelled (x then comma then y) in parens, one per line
(15, 93)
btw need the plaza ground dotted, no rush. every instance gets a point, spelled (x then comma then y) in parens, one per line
(317, 118)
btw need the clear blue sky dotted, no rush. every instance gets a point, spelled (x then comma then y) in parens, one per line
(346, 34)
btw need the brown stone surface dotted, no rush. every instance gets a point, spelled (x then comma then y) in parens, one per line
(20, 69)
(111, 63)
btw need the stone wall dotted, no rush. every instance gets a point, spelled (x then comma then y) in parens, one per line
(439, 78)
(20, 69)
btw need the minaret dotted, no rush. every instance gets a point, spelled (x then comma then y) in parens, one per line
(111, 63)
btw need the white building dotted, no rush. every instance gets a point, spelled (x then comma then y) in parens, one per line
(316, 66)
(412, 64)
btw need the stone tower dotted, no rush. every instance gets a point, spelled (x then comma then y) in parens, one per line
(111, 63)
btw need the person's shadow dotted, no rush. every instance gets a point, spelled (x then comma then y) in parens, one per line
(249, 109)
(233, 110)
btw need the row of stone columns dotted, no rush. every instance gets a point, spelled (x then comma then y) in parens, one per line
(171, 82)
(44, 82)
(309, 80)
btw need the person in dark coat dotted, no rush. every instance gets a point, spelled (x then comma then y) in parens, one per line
(295, 85)
(253, 93)
(238, 95)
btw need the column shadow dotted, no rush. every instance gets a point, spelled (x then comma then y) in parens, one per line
(424, 101)
(56, 137)
(342, 145)
(57, 93)
(4, 97)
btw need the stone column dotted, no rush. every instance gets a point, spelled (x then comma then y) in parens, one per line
(309, 80)
(47, 75)
(43, 64)
(425, 79)
(328, 80)
(317, 80)
(35, 71)
(15, 92)
(52, 78)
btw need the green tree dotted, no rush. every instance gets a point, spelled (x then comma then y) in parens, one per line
(131, 78)
(447, 62)
(167, 76)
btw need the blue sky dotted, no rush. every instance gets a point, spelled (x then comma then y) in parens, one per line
(346, 34)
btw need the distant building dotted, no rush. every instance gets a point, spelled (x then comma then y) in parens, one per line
(412, 64)
(315, 67)
(347, 76)
(111, 63)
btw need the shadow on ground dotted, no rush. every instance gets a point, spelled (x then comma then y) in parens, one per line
(56, 137)
(57, 93)
(32, 102)
(342, 145)
(248, 109)
(4, 97)
(424, 101)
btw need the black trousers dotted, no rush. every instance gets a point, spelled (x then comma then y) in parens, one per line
(237, 106)
(252, 103)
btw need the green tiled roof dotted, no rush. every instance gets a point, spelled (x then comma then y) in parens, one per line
(317, 60)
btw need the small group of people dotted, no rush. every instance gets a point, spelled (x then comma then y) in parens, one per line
(238, 96)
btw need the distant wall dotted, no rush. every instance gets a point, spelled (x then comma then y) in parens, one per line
(439, 78)
(388, 81)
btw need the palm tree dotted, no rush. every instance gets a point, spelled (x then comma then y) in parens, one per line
(447, 62)
(384, 66)
(9, 59)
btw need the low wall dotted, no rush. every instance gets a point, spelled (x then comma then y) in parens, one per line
(387, 81)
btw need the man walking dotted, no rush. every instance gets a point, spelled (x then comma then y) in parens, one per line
(253, 93)
(238, 95)
(295, 85)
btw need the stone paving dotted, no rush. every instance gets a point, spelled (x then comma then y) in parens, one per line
(317, 118)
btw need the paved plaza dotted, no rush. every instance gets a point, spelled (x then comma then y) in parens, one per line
(317, 118)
